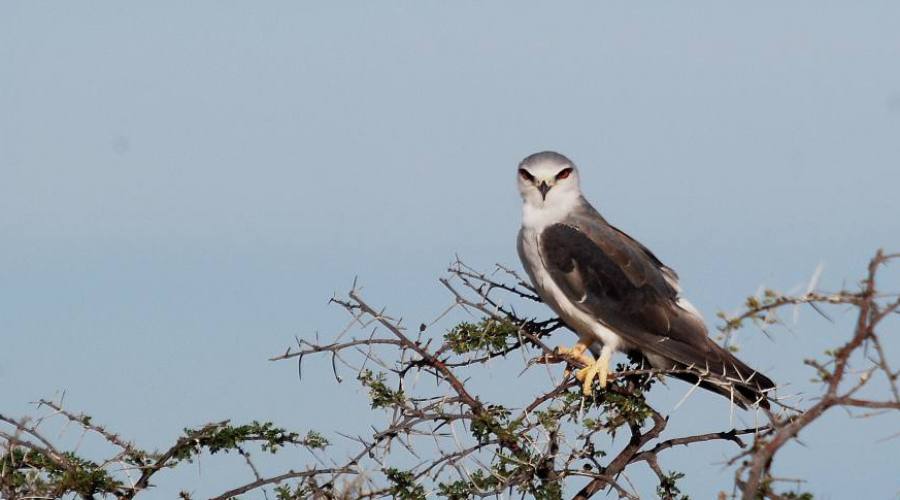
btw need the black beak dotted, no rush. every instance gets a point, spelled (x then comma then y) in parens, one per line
(543, 188)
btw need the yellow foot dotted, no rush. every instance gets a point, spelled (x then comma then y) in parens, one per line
(568, 355)
(576, 353)
(598, 369)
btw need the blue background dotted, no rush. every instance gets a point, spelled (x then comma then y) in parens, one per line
(183, 186)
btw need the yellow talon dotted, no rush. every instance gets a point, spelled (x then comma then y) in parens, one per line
(598, 369)
(577, 353)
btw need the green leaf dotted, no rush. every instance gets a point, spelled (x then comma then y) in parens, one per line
(490, 335)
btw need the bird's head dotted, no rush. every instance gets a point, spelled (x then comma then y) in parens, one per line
(548, 178)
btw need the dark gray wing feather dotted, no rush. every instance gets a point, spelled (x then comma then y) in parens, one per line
(612, 277)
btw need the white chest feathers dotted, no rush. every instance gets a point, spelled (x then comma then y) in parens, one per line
(537, 217)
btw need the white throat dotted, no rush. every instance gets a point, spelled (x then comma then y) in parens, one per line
(539, 215)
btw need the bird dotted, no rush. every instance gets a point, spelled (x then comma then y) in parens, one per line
(613, 292)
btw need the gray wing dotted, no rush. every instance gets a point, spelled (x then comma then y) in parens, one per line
(612, 277)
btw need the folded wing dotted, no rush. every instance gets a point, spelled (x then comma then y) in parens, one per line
(615, 279)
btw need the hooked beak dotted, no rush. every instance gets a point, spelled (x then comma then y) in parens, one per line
(543, 188)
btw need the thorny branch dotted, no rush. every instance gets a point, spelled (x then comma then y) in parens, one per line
(442, 438)
(839, 391)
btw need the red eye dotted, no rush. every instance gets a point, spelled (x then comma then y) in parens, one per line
(563, 173)
(526, 175)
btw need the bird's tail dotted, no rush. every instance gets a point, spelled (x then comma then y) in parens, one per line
(713, 368)
(733, 379)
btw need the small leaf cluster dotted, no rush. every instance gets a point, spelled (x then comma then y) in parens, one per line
(30, 472)
(298, 492)
(624, 408)
(381, 395)
(753, 305)
(223, 437)
(494, 420)
(623, 403)
(403, 485)
(767, 491)
(522, 471)
(569, 407)
(551, 490)
(315, 441)
(478, 482)
(490, 334)
(457, 490)
(797, 496)
(668, 487)
(549, 418)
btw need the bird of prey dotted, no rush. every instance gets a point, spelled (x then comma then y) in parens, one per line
(613, 292)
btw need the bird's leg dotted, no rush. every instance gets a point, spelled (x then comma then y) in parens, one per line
(568, 355)
(577, 353)
(599, 369)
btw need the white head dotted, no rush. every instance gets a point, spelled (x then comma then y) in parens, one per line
(548, 180)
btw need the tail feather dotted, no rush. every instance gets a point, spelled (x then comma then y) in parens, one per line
(733, 379)
(724, 374)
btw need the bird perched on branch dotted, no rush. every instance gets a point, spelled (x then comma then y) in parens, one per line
(613, 292)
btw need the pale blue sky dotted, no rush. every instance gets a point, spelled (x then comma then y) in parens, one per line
(183, 186)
